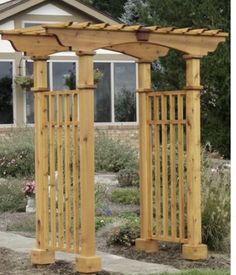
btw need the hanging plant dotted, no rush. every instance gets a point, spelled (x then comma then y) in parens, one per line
(98, 75)
(70, 79)
(25, 82)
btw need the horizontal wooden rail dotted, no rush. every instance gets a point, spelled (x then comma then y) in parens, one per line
(160, 122)
(167, 93)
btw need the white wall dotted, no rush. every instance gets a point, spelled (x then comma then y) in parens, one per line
(5, 46)
(49, 9)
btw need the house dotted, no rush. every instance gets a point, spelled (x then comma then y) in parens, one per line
(115, 96)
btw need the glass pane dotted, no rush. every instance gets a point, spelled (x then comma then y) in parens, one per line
(63, 75)
(102, 103)
(125, 92)
(6, 93)
(29, 95)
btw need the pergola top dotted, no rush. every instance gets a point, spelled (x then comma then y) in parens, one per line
(145, 43)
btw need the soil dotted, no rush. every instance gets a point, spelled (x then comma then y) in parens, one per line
(18, 263)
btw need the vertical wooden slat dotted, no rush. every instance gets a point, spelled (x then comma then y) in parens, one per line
(75, 173)
(181, 167)
(52, 169)
(173, 167)
(157, 167)
(164, 164)
(45, 167)
(60, 173)
(67, 173)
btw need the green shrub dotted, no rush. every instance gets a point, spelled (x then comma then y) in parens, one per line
(125, 196)
(112, 156)
(215, 205)
(125, 234)
(128, 177)
(11, 196)
(17, 153)
(102, 221)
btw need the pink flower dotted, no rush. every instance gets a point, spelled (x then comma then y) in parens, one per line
(29, 188)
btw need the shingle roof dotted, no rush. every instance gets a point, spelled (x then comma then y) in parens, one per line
(14, 3)
(11, 4)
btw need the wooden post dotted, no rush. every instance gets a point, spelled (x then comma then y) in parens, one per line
(145, 241)
(87, 262)
(41, 255)
(194, 249)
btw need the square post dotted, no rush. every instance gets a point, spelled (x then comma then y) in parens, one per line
(87, 261)
(41, 255)
(194, 249)
(145, 241)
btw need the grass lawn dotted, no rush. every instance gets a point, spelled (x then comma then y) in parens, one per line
(202, 271)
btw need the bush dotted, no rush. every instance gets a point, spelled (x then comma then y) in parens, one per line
(215, 205)
(17, 153)
(125, 196)
(11, 196)
(101, 222)
(125, 234)
(112, 156)
(27, 224)
(128, 177)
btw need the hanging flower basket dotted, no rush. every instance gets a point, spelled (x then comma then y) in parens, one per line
(25, 82)
(98, 75)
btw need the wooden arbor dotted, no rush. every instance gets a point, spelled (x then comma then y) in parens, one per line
(169, 138)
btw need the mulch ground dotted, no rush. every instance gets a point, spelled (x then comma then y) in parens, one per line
(19, 263)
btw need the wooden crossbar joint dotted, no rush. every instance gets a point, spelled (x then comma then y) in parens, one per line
(142, 35)
(144, 61)
(82, 53)
(86, 87)
(190, 56)
(144, 90)
(200, 87)
(39, 58)
(39, 90)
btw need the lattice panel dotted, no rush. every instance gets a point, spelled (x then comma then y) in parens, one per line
(167, 124)
(60, 131)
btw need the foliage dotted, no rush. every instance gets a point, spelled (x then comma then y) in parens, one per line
(125, 196)
(11, 196)
(24, 81)
(128, 177)
(126, 234)
(17, 153)
(114, 8)
(112, 156)
(125, 106)
(100, 222)
(215, 205)
(70, 80)
(169, 72)
(98, 75)
(26, 224)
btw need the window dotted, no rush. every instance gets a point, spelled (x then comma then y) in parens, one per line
(29, 95)
(125, 92)
(102, 96)
(63, 75)
(115, 95)
(6, 93)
